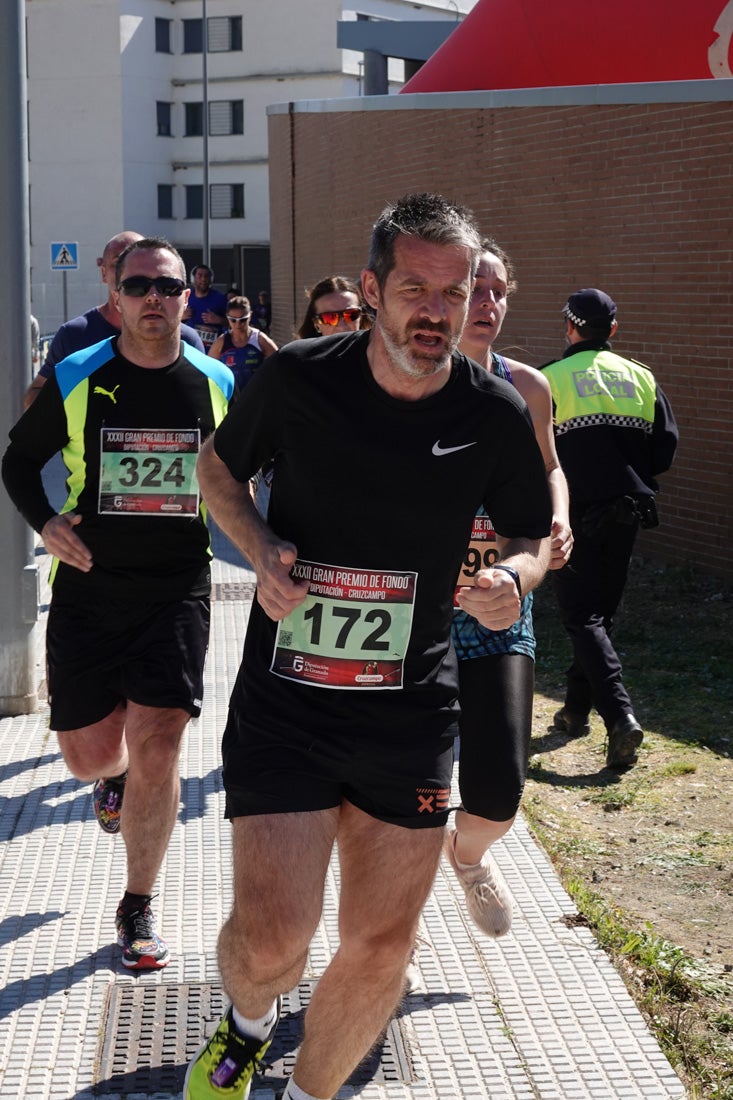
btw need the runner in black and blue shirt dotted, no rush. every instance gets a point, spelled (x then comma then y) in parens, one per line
(129, 617)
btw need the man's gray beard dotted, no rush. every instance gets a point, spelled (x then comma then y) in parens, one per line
(404, 361)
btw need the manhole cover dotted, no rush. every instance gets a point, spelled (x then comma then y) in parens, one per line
(234, 591)
(391, 1061)
(151, 1032)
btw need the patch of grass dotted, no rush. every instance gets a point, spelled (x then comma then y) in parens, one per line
(677, 650)
(612, 799)
(670, 860)
(628, 791)
(579, 847)
(723, 1022)
(670, 987)
(679, 767)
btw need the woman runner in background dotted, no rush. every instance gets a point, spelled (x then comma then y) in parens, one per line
(242, 348)
(496, 668)
(335, 305)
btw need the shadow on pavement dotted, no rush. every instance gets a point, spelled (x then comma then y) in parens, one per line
(13, 928)
(195, 793)
(39, 987)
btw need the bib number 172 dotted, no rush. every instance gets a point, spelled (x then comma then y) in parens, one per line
(335, 625)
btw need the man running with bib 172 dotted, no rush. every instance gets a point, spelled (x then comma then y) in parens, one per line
(342, 718)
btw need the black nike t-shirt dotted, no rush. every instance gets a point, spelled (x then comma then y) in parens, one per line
(367, 484)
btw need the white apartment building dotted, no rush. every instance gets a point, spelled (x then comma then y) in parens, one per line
(116, 96)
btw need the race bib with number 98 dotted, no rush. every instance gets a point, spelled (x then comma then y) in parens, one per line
(482, 552)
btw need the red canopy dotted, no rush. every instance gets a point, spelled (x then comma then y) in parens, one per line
(552, 43)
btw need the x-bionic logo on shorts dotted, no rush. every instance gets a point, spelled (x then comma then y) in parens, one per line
(432, 800)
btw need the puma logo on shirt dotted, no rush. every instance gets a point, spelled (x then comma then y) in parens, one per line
(108, 393)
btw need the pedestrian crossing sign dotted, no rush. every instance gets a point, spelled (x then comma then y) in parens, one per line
(64, 256)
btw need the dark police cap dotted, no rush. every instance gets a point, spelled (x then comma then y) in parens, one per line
(590, 307)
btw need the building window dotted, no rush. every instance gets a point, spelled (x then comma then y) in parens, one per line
(163, 112)
(224, 34)
(226, 200)
(192, 37)
(165, 200)
(194, 119)
(226, 116)
(194, 201)
(162, 35)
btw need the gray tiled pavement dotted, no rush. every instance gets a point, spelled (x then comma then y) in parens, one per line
(538, 1015)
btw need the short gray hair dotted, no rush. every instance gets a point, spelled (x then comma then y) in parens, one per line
(427, 217)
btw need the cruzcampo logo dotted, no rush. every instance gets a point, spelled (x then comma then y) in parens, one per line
(108, 393)
(588, 383)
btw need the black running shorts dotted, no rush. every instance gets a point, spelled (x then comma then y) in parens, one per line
(397, 779)
(104, 652)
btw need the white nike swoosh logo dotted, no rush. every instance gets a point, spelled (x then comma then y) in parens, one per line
(438, 450)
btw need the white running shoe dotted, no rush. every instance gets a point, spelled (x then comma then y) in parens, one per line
(487, 896)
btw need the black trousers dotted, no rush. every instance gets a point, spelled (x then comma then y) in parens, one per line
(589, 590)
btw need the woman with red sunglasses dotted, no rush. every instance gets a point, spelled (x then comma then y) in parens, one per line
(335, 305)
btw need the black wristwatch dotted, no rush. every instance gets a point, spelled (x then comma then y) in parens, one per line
(513, 574)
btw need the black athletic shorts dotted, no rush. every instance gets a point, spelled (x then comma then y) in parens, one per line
(103, 652)
(397, 778)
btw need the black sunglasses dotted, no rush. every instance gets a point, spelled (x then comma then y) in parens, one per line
(137, 286)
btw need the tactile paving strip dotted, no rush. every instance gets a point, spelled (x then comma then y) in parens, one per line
(232, 590)
(538, 1015)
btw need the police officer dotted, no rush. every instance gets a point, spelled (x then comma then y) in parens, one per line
(614, 432)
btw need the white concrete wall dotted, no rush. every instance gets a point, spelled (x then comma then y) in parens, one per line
(75, 146)
(146, 78)
(95, 156)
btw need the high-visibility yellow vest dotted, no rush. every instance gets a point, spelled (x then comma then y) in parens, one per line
(599, 387)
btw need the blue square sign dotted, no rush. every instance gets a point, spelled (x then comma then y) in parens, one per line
(64, 255)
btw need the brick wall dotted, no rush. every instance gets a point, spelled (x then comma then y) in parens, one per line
(634, 198)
